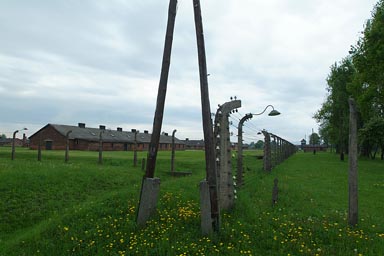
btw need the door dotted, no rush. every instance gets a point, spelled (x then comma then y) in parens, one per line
(48, 145)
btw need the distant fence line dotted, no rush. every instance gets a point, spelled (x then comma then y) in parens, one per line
(276, 150)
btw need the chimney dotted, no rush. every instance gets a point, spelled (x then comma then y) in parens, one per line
(166, 134)
(102, 127)
(186, 139)
(133, 130)
(24, 140)
(146, 131)
(82, 125)
(119, 129)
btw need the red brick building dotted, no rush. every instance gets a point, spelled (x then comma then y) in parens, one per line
(194, 144)
(53, 137)
(8, 142)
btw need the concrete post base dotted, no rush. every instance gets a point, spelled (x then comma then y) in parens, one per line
(148, 199)
(205, 208)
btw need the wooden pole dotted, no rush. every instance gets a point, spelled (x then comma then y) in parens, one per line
(150, 186)
(352, 158)
(101, 147)
(67, 146)
(173, 152)
(158, 119)
(39, 148)
(210, 164)
(13, 144)
(135, 151)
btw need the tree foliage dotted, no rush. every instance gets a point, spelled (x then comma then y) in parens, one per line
(359, 75)
(259, 144)
(372, 137)
(314, 139)
(333, 114)
(368, 59)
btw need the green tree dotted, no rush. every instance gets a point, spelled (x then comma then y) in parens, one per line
(334, 113)
(372, 137)
(3, 136)
(259, 144)
(368, 59)
(314, 139)
(367, 86)
(360, 75)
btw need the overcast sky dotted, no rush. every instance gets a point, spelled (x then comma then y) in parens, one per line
(98, 62)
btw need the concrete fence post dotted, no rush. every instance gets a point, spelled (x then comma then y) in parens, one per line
(267, 152)
(223, 154)
(67, 146)
(239, 174)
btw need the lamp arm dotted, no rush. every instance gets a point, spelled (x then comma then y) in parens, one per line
(264, 110)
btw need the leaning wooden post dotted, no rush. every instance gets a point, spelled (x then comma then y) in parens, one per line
(162, 91)
(150, 186)
(210, 184)
(67, 147)
(173, 152)
(352, 158)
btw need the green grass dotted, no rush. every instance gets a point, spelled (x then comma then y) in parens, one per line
(82, 208)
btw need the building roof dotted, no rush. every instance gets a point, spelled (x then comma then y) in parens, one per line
(8, 141)
(92, 134)
(194, 143)
(5, 140)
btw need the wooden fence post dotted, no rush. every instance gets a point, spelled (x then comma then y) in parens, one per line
(352, 158)
(39, 148)
(150, 186)
(67, 147)
(101, 147)
(210, 163)
(173, 152)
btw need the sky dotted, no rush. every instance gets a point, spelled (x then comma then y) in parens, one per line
(98, 62)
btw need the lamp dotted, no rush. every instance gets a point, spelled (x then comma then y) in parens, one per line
(272, 113)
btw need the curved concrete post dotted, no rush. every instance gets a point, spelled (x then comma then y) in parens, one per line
(223, 154)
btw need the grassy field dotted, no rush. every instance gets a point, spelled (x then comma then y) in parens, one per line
(82, 208)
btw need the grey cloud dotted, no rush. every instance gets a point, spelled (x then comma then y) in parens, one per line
(98, 61)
